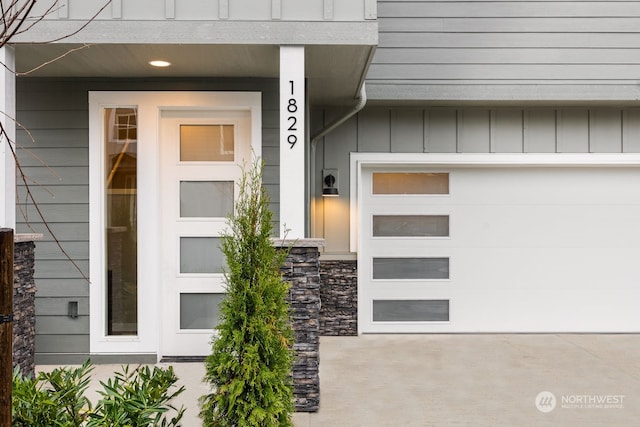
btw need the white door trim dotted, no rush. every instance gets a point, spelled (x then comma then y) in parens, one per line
(7, 162)
(149, 105)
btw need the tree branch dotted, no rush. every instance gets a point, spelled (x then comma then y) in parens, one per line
(44, 64)
(29, 196)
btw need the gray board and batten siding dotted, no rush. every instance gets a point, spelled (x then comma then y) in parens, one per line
(463, 130)
(506, 51)
(56, 161)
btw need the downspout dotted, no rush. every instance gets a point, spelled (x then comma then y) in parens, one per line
(362, 100)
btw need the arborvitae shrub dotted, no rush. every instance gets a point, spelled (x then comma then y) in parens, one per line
(249, 369)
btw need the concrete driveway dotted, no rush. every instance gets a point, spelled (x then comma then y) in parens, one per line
(478, 380)
(464, 380)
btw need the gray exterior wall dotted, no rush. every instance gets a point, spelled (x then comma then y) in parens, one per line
(506, 51)
(320, 22)
(310, 10)
(462, 130)
(55, 161)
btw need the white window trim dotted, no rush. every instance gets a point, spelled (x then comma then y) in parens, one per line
(360, 160)
(149, 105)
(7, 163)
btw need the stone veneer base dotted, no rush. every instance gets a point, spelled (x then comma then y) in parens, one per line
(339, 296)
(24, 311)
(302, 271)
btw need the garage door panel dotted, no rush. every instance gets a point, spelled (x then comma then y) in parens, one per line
(546, 226)
(529, 250)
(544, 311)
(382, 205)
(407, 290)
(412, 246)
(533, 186)
(533, 270)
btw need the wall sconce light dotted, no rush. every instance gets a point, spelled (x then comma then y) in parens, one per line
(329, 182)
(72, 309)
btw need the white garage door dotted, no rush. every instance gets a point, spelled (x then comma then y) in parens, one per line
(499, 249)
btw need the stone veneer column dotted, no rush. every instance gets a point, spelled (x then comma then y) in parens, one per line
(24, 297)
(339, 295)
(302, 270)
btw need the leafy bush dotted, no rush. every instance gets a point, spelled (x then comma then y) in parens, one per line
(52, 399)
(134, 398)
(249, 368)
(137, 398)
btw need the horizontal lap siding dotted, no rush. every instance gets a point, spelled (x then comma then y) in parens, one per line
(505, 50)
(54, 153)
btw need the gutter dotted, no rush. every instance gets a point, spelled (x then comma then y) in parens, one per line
(362, 101)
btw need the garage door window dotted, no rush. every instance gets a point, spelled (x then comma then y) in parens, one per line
(410, 183)
(410, 268)
(410, 225)
(410, 310)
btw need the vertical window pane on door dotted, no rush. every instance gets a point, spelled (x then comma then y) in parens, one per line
(410, 268)
(207, 143)
(199, 311)
(410, 183)
(121, 157)
(201, 255)
(410, 225)
(206, 199)
(411, 310)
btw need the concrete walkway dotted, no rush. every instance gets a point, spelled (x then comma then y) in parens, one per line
(464, 380)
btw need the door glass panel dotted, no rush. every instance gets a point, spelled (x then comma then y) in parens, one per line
(206, 199)
(410, 183)
(199, 311)
(207, 143)
(410, 225)
(411, 310)
(410, 268)
(201, 255)
(121, 155)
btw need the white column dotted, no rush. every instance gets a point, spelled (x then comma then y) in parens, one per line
(7, 115)
(292, 142)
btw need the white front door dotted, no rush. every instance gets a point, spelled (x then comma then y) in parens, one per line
(202, 153)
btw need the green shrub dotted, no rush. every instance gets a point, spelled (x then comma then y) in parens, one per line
(53, 398)
(249, 368)
(136, 398)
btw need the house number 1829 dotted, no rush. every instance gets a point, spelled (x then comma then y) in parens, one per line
(292, 120)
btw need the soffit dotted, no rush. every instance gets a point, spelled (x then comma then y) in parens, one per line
(334, 72)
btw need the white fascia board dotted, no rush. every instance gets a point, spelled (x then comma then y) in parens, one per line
(206, 32)
(488, 91)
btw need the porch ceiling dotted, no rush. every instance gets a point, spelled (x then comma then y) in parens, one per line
(334, 72)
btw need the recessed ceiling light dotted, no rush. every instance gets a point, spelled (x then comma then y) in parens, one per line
(160, 63)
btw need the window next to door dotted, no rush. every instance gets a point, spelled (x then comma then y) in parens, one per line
(121, 133)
